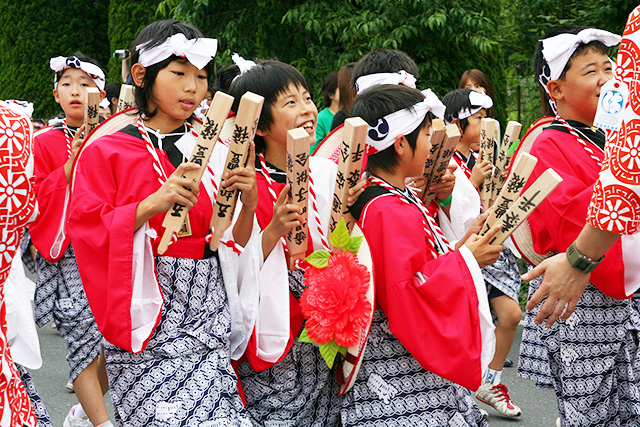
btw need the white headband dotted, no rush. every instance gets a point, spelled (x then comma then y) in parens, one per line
(402, 122)
(401, 77)
(60, 63)
(197, 51)
(478, 101)
(20, 107)
(558, 49)
(243, 64)
(104, 103)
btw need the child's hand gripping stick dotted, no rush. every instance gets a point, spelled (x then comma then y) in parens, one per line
(175, 218)
(243, 133)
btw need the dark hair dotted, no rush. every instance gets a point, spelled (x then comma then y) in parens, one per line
(384, 61)
(224, 78)
(379, 101)
(269, 79)
(347, 89)
(455, 101)
(329, 86)
(539, 61)
(84, 58)
(113, 91)
(154, 35)
(482, 80)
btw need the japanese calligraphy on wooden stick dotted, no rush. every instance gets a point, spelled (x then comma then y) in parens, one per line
(505, 155)
(175, 217)
(243, 133)
(298, 143)
(91, 110)
(349, 169)
(438, 132)
(126, 98)
(522, 169)
(447, 148)
(488, 140)
(527, 203)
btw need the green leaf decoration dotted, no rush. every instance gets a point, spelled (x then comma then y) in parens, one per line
(513, 147)
(354, 244)
(304, 336)
(340, 236)
(319, 258)
(343, 350)
(329, 351)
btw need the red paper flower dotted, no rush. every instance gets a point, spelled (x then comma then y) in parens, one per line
(335, 303)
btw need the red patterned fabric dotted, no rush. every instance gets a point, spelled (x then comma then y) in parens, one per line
(17, 204)
(615, 204)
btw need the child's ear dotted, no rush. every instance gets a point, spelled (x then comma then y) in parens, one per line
(400, 145)
(102, 94)
(137, 74)
(555, 89)
(260, 132)
(55, 95)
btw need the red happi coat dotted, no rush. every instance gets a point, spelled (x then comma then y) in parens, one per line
(556, 223)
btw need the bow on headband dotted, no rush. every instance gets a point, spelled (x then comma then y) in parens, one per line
(60, 63)
(197, 51)
(401, 77)
(402, 122)
(558, 49)
(478, 101)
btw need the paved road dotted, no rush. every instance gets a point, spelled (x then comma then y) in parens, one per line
(538, 406)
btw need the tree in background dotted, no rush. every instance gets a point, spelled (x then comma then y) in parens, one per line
(35, 31)
(126, 19)
(320, 36)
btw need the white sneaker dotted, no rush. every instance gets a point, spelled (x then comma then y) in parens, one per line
(70, 388)
(71, 420)
(497, 396)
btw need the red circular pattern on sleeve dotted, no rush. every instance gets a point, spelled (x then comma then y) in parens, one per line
(15, 137)
(614, 208)
(628, 56)
(625, 154)
(633, 22)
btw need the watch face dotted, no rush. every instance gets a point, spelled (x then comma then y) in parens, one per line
(582, 265)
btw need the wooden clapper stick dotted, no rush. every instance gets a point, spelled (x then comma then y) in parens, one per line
(516, 180)
(527, 203)
(201, 152)
(488, 140)
(126, 98)
(502, 163)
(447, 148)
(243, 133)
(438, 132)
(91, 106)
(298, 143)
(349, 170)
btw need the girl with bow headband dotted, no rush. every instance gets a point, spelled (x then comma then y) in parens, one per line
(172, 322)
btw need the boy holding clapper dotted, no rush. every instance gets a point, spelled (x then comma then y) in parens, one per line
(432, 328)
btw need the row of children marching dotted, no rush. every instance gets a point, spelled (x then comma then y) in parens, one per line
(169, 336)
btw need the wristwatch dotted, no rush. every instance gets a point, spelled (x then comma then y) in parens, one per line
(581, 262)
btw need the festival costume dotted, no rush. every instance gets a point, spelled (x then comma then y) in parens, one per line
(59, 294)
(615, 205)
(592, 357)
(287, 382)
(325, 118)
(17, 205)
(171, 321)
(414, 335)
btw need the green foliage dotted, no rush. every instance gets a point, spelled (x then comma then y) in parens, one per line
(318, 37)
(126, 19)
(35, 31)
(319, 258)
